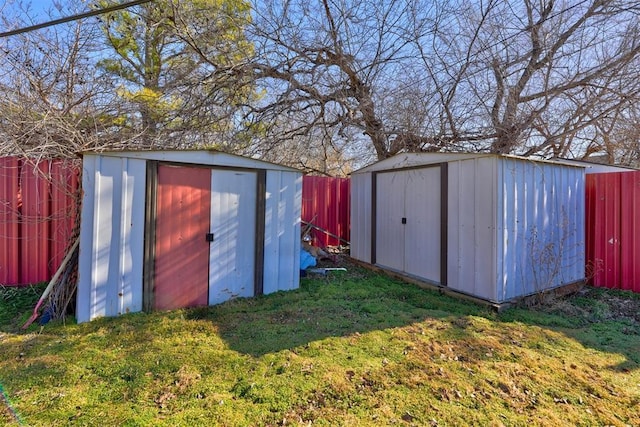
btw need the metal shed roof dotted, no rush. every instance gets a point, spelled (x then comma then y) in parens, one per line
(593, 167)
(407, 160)
(202, 157)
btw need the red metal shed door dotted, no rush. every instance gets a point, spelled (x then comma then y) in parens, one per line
(183, 208)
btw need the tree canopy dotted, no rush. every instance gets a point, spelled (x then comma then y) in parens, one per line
(328, 85)
(166, 61)
(537, 78)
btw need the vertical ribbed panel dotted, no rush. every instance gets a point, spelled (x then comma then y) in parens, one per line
(630, 228)
(408, 226)
(111, 237)
(360, 246)
(325, 203)
(34, 239)
(37, 217)
(344, 209)
(603, 242)
(473, 207)
(86, 285)
(282, 231)
(542, 227)
(613, 221)
(9, 217)
(64, 187)
(423, 226)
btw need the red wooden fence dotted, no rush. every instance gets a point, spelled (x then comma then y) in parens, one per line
(613, 230)
(37, 216)
(325, 204)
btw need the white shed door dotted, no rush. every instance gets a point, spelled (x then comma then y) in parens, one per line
(233, 224)
(422, 230)
(408, 225)
(389, 213)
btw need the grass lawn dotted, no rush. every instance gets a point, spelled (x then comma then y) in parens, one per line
(354, 349)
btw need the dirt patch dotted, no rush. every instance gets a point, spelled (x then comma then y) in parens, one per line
(597, 304)
(619, 306)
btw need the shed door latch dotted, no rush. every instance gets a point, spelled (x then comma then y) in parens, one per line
(209, 237)
(404, 220)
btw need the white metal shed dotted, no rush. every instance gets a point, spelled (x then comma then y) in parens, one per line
(490, 226)
(172, 229)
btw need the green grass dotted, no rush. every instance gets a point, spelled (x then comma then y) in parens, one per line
(16, 304)
(347, 349)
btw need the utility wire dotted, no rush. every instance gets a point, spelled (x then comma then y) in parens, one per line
(74, 17)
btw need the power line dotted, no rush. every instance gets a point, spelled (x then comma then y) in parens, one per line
(74, 17)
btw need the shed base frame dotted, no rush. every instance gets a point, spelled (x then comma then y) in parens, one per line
(527, 300)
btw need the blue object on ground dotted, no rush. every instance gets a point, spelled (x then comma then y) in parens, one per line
(306, 260)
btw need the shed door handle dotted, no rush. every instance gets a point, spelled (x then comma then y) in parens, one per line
(209, 237)
(404, 220)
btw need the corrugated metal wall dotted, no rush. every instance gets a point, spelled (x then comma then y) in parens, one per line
(113, 227)
(9, 221)
(282, 231)
(471, 234)
(612, 231)
(37, 216)
(514, 227)
(360, 220)
(111, 237)
(34, 241)
(541, 227)
(325, 203)
(65, 197)
(49, 221)
(629, 228)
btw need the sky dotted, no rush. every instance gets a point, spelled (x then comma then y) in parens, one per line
(22, 16)
(36, 10)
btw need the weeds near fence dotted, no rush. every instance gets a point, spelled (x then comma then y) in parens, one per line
(16, 304)
(550, 257)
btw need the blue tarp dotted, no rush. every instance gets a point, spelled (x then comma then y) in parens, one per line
(306, 260)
